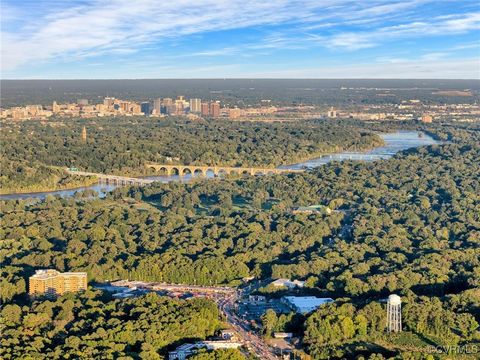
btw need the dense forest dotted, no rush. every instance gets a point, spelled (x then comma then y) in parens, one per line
(19, 176)
(123, 146)
(93, 326)
(409, 225)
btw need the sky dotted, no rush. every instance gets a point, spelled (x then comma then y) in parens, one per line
(135, 39)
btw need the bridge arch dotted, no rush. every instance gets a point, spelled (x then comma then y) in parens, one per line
(196, 170)
(210, 170)
(222, 172)
(199, 172)
(163, 170)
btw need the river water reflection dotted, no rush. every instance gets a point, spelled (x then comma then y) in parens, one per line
(394, 142)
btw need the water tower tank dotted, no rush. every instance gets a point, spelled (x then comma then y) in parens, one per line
(395, 299)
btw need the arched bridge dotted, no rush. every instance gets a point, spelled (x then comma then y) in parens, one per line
(216, 170)
(178, 170)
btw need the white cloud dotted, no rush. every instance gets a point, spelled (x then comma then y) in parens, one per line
(350, 41)
(398, 69)
(98, 26)
(121, 27)
(102, 26)
(435, 26)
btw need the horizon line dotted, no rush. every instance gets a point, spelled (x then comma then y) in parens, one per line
(233, 78)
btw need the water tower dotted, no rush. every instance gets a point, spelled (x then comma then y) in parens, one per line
(394, 313)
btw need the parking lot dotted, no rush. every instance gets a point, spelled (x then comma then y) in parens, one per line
(253, 311)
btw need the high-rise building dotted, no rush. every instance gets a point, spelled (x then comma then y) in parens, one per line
(108, 102)
(145, 108)
(34, 110)
(125, 106)
(82, 102)
(195, 105)
(84, 134)
(55, 107)
(394, 313)
(214, 109)
(52, 283)
(157, 106)
(205, 109)
(332, 113)
(19, 113)
(427, 118)
(135, 109)
(167, 101)
(234, 113)
(179, 108)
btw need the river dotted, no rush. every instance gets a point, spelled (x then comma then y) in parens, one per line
(394, 142)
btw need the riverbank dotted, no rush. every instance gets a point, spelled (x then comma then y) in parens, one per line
(358, 148)
(394, 142)
(38, 189)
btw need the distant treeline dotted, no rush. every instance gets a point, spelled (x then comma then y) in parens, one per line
(240, 92)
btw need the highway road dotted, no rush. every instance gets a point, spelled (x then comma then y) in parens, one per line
(252, 341)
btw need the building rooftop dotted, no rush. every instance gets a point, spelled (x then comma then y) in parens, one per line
(313, 208)
(49, 273)
(288, 283)
(305, 304)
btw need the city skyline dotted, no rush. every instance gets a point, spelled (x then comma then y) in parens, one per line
(211, 39)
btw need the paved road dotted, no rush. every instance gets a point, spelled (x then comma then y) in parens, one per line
(254, 343)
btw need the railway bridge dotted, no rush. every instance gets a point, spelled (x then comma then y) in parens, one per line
(113, 179)
(216, 170)
(180, 170)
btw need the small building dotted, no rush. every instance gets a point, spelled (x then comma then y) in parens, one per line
(227, 334)
(305, 304)
(185, 350)
(312, 209)
(51, 283)
(282, 335)
(288, 283)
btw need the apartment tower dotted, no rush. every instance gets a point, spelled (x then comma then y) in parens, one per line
(51, 283)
